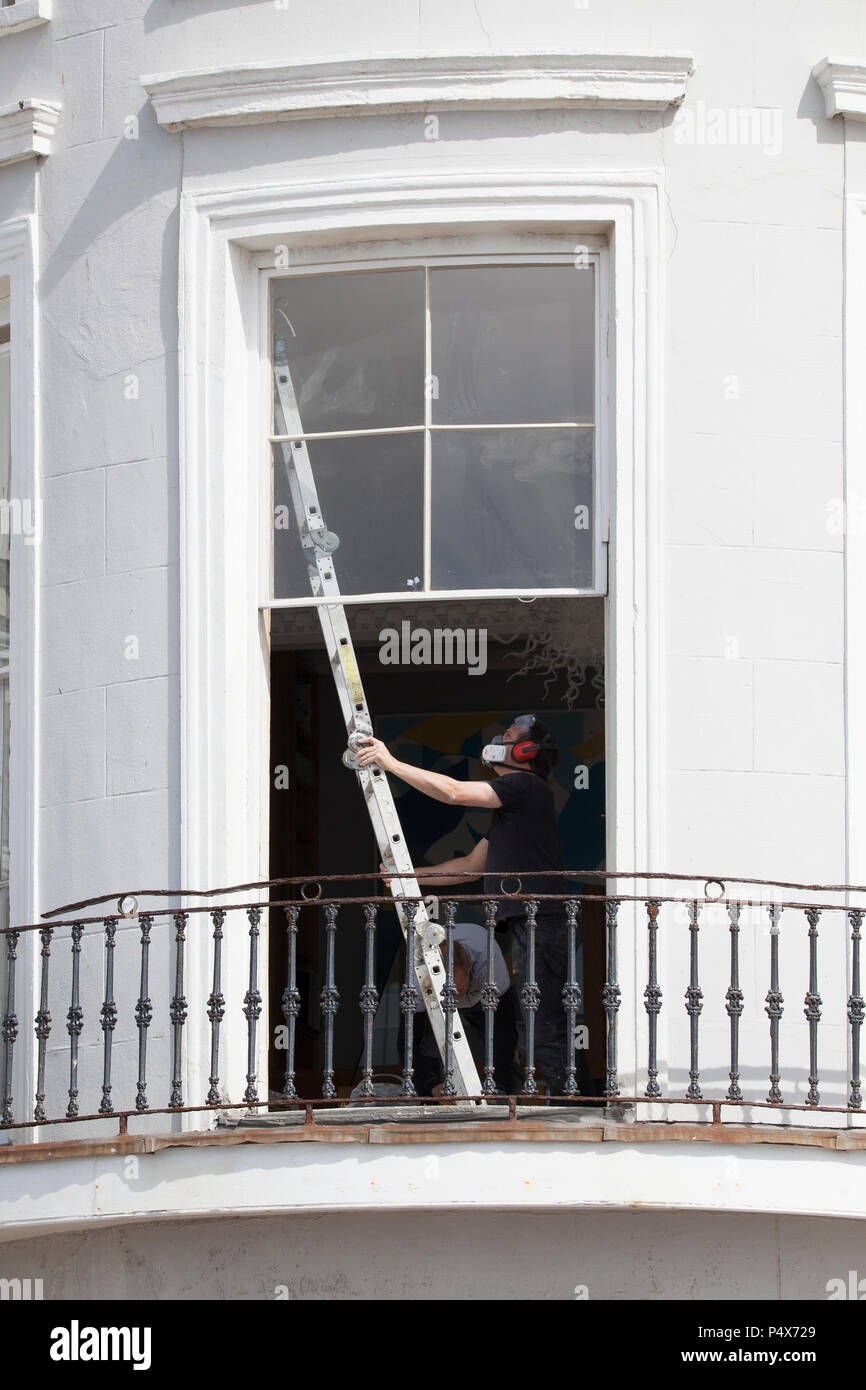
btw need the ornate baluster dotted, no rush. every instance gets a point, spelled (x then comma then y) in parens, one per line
(408, 1000)
(855, 1007)
(571, 996)
(330, 1000)
(734, 1002)
(43, 1023)
(610, 997)
(694, 995)
(291, 1000)
(449, 1000)
(74, 1021)
(10, 1026)
(774, 1008)
(177, 1011)
(813, 1005)
(369, 995)
(489, 1000)
(530, 997)
(216, 1006)
(652, 997)
(252, 1004)
(108, 1017)
(143, 1010)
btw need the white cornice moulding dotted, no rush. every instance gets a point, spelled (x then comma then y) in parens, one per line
(24, 15)
(26, 128)
(844, 86)
(261, 92)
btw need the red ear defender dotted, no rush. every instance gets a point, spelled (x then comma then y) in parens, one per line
(524, 751)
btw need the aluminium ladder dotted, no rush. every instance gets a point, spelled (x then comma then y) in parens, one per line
(319, 545)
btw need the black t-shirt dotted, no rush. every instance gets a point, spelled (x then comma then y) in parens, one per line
(523, 837)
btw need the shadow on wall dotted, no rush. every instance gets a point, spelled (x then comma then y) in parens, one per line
(162, 13)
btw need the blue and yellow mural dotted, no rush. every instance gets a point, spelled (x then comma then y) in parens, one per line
(452, 743)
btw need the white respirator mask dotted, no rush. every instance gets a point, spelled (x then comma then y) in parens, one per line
(495, 752)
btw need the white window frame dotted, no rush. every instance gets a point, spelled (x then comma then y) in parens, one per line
(844, 86)
(226, 392)
(596, 257)
(854, 538)
(18, 259)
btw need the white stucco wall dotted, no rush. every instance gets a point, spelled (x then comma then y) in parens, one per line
(751, 673)
(447, 1256)
(459, 1222)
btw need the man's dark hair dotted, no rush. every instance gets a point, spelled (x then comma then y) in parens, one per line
(462, 959)
(548, 756)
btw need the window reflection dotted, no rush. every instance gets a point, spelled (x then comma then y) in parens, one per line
(355, 348)
(512, 509)
(512, 343)
(371, 494)
(506, 504)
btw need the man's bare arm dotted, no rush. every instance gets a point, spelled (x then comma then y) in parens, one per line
(434, 784)
(465, 868)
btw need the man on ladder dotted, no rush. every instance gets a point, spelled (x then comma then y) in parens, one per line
(523, 838)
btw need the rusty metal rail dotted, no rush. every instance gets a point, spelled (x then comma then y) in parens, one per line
(578, 875)
(546, 931)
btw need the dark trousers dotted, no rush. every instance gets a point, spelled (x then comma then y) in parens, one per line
(551, 1020)
(428, 1063)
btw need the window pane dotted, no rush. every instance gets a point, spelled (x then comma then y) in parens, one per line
(355, 349)
(512, 343)
(371, 494)
(512, 509)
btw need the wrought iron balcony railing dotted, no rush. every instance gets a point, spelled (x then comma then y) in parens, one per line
(644, 941)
